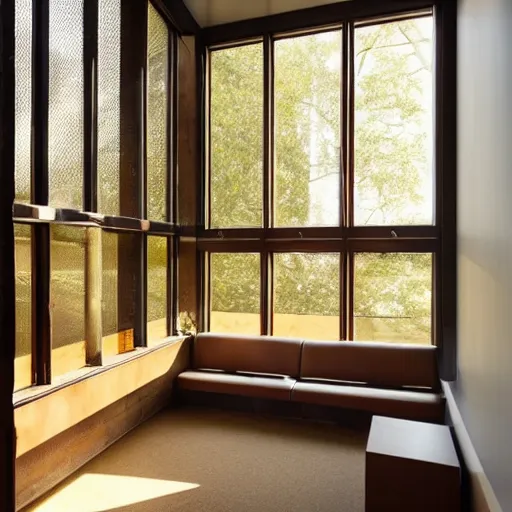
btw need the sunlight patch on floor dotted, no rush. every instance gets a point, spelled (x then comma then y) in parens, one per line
(98, 493)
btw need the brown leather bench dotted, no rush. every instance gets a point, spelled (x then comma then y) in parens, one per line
(382, 378)
(253, 366)
(378, 378)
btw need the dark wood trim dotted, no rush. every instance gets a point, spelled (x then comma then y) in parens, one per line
(343, 296)
(350, 179)
(90, 191)
(344, 139)
(41, 326)
(40, 101)
(131, 249)
(420, 245)
(180, 16)
(412, 245)
(391, 232)
(350, 273)
(265, 312)
(229, 245)
(445, 286)
(7, 274)
(322, 233)
(268, 120)
(207, 219)
(313, 17)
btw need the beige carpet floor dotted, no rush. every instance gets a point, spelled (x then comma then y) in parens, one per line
(194, 460)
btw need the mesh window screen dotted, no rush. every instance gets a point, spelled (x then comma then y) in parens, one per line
(157, 107)
(23, 93)
(109, 108)
(65, 122)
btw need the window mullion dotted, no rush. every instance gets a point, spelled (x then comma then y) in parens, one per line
(350, 296)
(90, 199)
(349, 138)
(131, 251)
(41, 329)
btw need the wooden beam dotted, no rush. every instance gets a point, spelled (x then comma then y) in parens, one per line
(7, 276)
(313, 17)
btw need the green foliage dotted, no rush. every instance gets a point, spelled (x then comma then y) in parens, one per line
(392, 66)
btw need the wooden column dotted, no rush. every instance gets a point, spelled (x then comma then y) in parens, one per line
(7, 275)
(189, 184)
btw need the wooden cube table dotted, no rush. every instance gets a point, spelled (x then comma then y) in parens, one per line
(411, 466)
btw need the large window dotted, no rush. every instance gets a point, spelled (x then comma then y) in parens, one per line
(320, 160)
(94, 141)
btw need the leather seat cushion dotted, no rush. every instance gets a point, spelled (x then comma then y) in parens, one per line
(272, 388)
(413, 405)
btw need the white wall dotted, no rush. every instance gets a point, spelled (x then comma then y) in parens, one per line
(484, 388)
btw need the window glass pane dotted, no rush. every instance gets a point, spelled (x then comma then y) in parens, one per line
(235, 293)
(118, 292)
(23, 361)
(23, 97)
(67, 292)
(307, 295)
(393, 123)
(236, 144)
(307, 130)
(157, 136)
(109, 108)
(65, 122)
(392, 297)
(157, 289)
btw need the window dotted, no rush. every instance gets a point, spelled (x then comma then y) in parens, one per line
(100, 157)
(320, 152)
(307, 129)
(157, 298)
(23, 261)
(236, 126)
(235, 293)
(307, 295)
(157, 115)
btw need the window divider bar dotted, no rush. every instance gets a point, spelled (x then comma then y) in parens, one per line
(350, 296)
(40, 315)
(350, 126)
(172, 288)
(40, 101)
(344, 127)
(268, 122)
(41, 326)
(343, 295)
(90, 192)
(208, 135)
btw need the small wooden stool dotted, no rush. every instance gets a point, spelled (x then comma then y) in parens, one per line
(411, 466)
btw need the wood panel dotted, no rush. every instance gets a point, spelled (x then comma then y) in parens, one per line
(73, 404)
(72, 447)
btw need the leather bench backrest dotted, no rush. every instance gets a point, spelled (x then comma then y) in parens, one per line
(377, 364)
(258, 354)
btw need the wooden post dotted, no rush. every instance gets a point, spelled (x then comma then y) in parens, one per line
(7, 297)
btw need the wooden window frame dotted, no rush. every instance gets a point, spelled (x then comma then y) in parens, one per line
(133, 173)
(346, 239)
